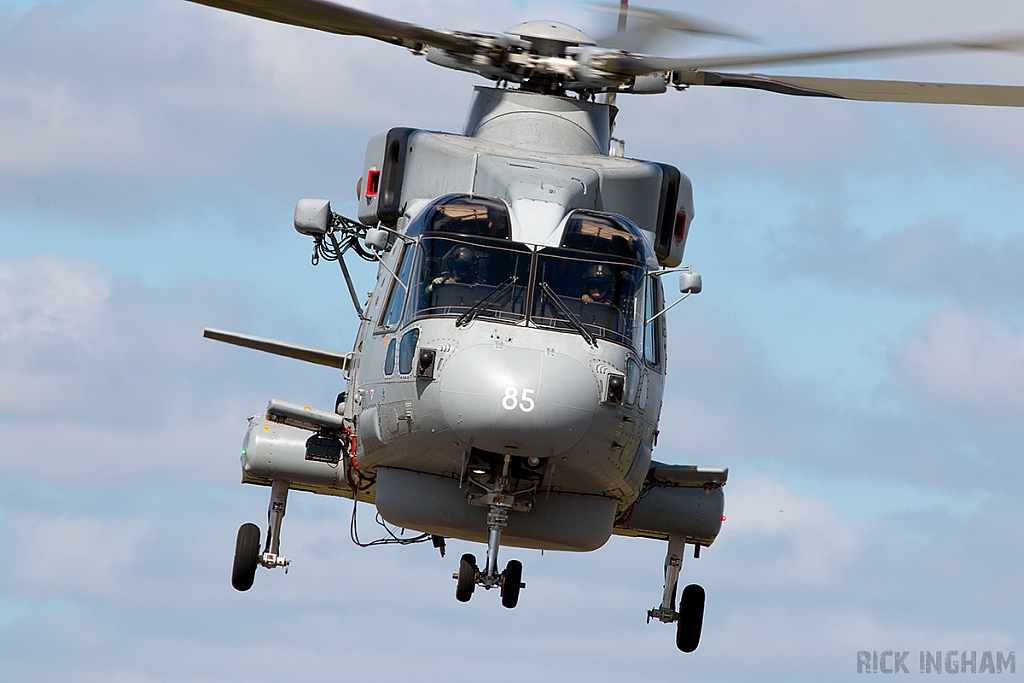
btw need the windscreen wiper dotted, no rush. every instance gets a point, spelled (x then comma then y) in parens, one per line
(476, 309)
(566, 314)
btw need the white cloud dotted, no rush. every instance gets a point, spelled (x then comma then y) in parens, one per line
(84, 557)
(50, 299)
(935, 258)
(810, 541)
(104, 379)
(963, 360)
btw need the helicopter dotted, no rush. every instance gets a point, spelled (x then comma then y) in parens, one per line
(506, 381)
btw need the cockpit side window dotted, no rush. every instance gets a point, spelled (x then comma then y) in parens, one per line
(466, 215)
(399, 290)
(389, 357)
(407, 351)
(652, 330)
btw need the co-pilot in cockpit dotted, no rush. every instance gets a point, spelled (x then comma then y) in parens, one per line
(463, 267)
(459, 260)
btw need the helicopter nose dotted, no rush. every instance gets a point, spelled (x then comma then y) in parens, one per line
(518, 401)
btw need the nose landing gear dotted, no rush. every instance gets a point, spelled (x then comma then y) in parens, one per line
(690, 617)
(509, 581)
(499, 501)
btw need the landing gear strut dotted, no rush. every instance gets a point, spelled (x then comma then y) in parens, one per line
(497, 520)
(247, 545)
(690, 617)
(271, 556)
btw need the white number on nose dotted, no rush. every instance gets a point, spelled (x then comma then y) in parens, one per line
(511, 400)
(526, 399)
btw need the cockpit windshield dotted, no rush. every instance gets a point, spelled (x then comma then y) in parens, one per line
(455, 275)
(464, 264)
(600, 293)
(597, 276)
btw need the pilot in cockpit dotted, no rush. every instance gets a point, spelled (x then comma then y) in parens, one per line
(461, 267)
(598, 282)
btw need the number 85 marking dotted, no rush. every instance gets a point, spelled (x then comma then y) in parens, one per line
(512, 400)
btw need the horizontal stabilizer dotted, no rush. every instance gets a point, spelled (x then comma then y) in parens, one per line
(331, 359)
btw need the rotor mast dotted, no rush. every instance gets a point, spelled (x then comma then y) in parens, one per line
(539, 122)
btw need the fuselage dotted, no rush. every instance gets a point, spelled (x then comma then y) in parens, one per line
(511, 357)
(515, 315)
(512, 352)
(515, 378)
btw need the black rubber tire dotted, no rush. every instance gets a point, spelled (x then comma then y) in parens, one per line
(247, 554)
(467, 578)
(511, 583)
(691, 618)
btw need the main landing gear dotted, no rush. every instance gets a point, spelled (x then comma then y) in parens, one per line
(247, 545)
(690, 616)
(500, 502)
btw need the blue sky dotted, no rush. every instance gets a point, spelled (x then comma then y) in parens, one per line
(856, 357)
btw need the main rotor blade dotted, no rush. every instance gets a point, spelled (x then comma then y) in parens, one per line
(647, 23)
(865, 90)
(327, 16)
(641, 65)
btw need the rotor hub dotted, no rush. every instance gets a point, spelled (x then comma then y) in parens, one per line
(550, 38)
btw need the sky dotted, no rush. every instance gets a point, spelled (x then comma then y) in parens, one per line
(856, 357)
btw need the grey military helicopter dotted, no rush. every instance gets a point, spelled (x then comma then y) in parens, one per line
(506, 381)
